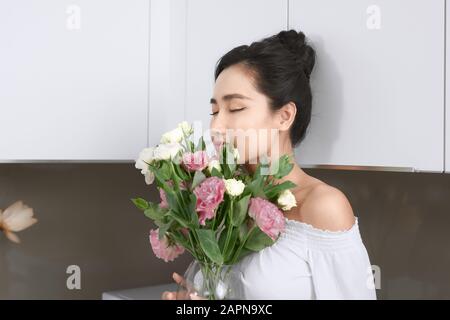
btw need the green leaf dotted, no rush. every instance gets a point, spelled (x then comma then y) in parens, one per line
(274, 190)
(172, 200)
(140, 203)
(216, 173)
(240, 211)
(243, 231)
(178, 219)
(260, 169)
(165, 170)
(284, 166)
(198, 178)
(181, 172)
(222, 239)
(179, 238)
(244, 252)
(256, 187)
(154, 212)
(192, 206)
(209, 245)
(258, 240)
(227, 160)
(231, 244)
(163, 229)
(201, 144)
(191, 146)
(161, 182)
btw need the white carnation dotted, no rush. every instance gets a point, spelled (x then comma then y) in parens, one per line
(186, 128)
(287, 200)
(146, 155)
(234, 187)
(214, 164)
(175, 135)
(167, 151)
(149, 177)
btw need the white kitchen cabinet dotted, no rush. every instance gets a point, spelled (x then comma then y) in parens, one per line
(73, 79)
(167, 82)
(378, 83)
(213, 27)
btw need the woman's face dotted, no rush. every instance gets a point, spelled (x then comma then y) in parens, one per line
(241, 114)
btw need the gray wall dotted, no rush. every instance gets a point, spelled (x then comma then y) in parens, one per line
(86, 218)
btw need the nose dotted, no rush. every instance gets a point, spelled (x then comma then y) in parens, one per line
(217, 137)
(218, 129)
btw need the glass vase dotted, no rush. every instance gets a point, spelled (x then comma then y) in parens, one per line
(211, 281)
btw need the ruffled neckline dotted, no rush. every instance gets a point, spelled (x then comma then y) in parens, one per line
(290, 223)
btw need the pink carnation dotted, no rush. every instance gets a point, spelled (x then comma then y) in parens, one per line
(162, 249)
(209, 195)
(267, 216)
(195, 161)
(162, 193)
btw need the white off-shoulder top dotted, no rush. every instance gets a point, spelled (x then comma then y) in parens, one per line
(309, 263)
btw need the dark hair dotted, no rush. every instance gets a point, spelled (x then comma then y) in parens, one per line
(281, 66)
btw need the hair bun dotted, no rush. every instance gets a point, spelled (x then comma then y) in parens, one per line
(295, 43)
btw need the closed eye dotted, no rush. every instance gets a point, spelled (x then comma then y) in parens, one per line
(214, 113)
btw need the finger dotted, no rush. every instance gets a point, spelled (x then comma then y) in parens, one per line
(195, 296)
(183, 295)
(168, 295)
(179, 279)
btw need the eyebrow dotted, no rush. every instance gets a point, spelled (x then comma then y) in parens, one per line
(229, 97)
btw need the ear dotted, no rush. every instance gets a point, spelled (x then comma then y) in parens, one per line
(286, 116)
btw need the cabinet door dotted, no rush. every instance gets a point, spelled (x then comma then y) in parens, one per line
(213, 28)
(74, 79)
(167, 85)
(378, 83)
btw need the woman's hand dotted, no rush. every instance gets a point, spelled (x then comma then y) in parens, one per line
(181, 294)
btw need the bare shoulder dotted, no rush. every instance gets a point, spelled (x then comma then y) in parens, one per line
(327, 208)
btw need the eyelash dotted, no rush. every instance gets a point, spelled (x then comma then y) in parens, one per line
(214, 113)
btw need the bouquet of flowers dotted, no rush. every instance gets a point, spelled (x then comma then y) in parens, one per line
(211, 206)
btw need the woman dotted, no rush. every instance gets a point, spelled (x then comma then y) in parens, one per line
(320, 255)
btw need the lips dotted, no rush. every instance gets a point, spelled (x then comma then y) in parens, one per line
(218, 142)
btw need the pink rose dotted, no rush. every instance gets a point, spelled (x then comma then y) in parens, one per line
(267, 216)
(162, 193)
(162, 249)
(195, 161)
(209, 195)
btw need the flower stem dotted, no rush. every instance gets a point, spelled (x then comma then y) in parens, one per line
(238, 251)
(230, 227)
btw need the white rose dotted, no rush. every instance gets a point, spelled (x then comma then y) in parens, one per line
(175, 135)
(214, 164)
(287, 200)
(234, 187)
(185, 127)
(146, 155)
(167, 151)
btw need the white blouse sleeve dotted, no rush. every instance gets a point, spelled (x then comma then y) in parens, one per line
(340, 265)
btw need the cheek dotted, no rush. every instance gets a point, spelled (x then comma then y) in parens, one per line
(252, 144)
(252, 119)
